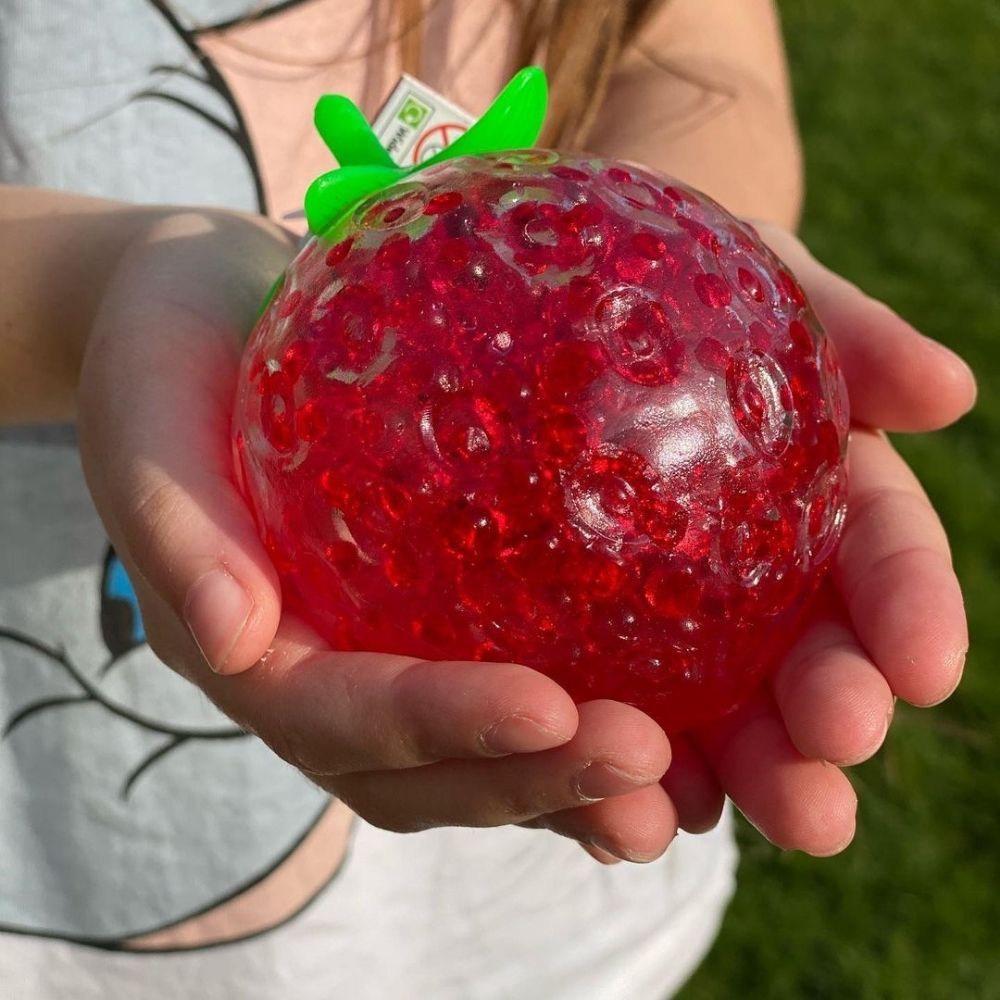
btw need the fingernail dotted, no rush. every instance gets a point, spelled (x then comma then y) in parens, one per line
(829, 852)
(956, 666)
(623, 853)
(519, 734)
(601, 854)
(599, 780)
(216, 611)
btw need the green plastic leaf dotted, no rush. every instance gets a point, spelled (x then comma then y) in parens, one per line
(347, 134)
(513, 121)
(333, 195)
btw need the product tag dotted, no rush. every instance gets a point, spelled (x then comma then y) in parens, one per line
(416, 122)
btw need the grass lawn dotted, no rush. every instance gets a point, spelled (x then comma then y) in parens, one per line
(900, 111)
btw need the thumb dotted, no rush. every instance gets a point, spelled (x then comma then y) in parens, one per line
(156, 400)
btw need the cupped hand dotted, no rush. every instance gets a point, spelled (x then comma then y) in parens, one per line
(407, 744)
(411, 744)
(889, 622)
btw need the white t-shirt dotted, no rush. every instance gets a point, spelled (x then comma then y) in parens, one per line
(149, 850)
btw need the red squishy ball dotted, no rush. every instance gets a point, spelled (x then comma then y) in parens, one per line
(551, 410)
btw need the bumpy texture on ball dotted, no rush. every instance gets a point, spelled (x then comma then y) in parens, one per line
(550, 410)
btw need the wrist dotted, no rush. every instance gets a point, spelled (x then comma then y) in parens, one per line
(58, 254)
(216, 263)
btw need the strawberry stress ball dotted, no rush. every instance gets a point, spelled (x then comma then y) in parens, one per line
(536, 407)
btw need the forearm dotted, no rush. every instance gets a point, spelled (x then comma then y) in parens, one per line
(61, 254)
(704, 95)
(57, 254)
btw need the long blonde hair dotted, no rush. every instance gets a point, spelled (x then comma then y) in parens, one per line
(580, 43)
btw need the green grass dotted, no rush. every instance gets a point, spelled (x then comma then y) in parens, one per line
(899, 105)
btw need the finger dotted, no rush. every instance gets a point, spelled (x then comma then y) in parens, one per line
(795, 802)
(638, 826)
(897, 378)
(165, 633)
(159, 377)
(835, 702)
(692, 787)
(894, 571)
(616, 750)
(334, 713)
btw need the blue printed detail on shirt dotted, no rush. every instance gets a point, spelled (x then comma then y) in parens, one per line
(121, 619)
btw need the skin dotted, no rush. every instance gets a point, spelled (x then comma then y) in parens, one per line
(157, 324)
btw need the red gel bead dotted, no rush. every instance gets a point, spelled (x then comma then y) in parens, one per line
(338, 252)
(442, 203)
(713, 290)
(290, 303)
(800, 336)
(665, 521)
(791, 289)
(393, 253)
(581, 216)
(568, 173)
(672, 589)
(572, 415)
(649, 246)
(750, 283)
(310, 423)
(294, 360)
(707, 237)
(572, 366)
(342, 556)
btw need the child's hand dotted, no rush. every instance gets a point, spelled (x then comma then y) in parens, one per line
(402, 742)
(890, 622)
(407, 744)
